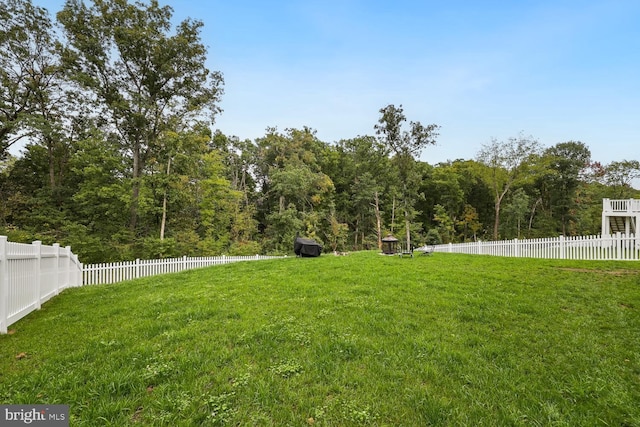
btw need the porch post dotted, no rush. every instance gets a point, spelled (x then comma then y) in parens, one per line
(605, 218)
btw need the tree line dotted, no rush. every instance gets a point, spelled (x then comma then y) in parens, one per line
(114, 106)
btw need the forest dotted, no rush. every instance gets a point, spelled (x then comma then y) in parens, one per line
(115, 108)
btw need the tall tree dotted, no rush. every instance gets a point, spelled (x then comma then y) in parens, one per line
(294, 190)
(365, 193)
(517, 208)
(567, 161)
(620, 176)
(29, 71)
(406, 146)
(362, 175)
(146, 79)
(505, 163)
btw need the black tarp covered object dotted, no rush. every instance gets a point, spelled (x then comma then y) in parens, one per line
(306, 247)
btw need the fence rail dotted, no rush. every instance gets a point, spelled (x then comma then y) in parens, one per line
(31, 274)
(610, 247)
(97, 274)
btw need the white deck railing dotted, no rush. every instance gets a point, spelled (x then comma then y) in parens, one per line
(624, 206)
(613, 247)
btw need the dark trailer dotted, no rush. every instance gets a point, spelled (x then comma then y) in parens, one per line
(306, 247)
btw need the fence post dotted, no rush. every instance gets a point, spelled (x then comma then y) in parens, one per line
(184, 262)
(137, 269)
(37, 250)
(562, 247)
(450, 247)
(67, 273)
(56, 274)
(4, 284)
(516, 251)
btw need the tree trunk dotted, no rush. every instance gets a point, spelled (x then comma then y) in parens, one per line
(135, 188)
(52, 170)
(164, 204)
(496, 222)
(244, 187)
(533, 212)
(355, 237)
(407, 225)
(393, 214)
(378, 221)
(407, 222)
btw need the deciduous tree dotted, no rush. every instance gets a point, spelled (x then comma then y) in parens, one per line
(505, 163)
(406, 145)
(146, 78)
(28, 67)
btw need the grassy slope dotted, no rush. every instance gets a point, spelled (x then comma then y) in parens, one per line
(362, 339)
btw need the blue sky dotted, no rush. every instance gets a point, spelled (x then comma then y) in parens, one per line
(556, 70)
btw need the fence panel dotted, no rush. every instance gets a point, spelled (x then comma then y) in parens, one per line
(49, 273)
(611, 247)
(101, 274)
(31, 274)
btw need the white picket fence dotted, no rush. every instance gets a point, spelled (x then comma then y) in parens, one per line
(31, 274)
(609, 247)
(99, 274)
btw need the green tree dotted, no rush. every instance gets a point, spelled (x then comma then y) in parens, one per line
(620, 176)
(365, 194)
(446, 225)
(362, 175)
(567, 162)
(294, 190)
(406, 145)
(505, 164)
(146, 80)
(469, 224)
(517, 208)
(217, 202)
(239, 158)
(28, 68)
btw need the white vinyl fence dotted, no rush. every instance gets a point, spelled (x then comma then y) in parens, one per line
(31, 274)
(609, 247)
(98, 274)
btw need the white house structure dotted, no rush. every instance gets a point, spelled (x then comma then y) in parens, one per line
(620, 216)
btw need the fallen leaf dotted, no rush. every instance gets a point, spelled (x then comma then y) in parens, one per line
(11, 331)
(311, 421)
(20, 356)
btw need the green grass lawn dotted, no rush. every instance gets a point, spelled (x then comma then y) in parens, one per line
(337, 341)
